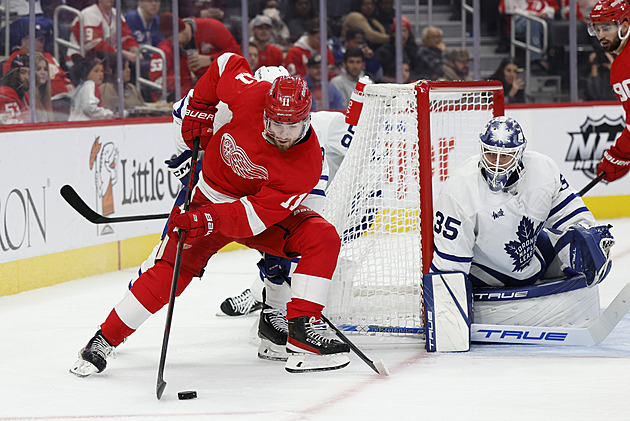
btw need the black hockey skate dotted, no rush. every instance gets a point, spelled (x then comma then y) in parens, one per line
(241, 305)
(310, 350)
(273, 331)
(93, 358)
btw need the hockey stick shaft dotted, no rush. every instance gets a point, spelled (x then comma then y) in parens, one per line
(72, 197)
(380, 369)
(592, 184)
(161, 383)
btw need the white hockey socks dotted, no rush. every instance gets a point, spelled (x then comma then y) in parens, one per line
(448, 311)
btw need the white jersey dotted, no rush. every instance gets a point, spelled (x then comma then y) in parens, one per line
(492, 236)
(333, 132)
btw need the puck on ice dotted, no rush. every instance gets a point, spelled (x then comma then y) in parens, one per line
(187, 394)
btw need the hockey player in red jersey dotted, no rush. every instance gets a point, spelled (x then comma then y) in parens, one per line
(256, 171)
(610, 21)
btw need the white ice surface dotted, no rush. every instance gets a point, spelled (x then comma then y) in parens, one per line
(42, 330)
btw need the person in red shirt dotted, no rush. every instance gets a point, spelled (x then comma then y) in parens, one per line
(268, 54)
(256, 170)
(308, 44)
(610, 21)
(14, 99)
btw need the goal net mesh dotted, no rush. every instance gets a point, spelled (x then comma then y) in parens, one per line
(374, 203)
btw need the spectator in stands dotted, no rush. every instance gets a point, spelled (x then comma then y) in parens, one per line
(59, 81)
(14, 99)
(43, 99)
(156, 66)
(458, 67)
(363, 17)
(513, 85)
(132, 97)
(598, 83)
(431, 54)
(299, 13)
(385, 13)
(355, 38)
(214, 9)
(308, 44)
(268, 54)
(353, 65)
(89, 74)
(314, 82)
(253, 57)
(280, 34)
(99, 22)
(144, 22)
(19, 18)
(204, 40)
(386, 53)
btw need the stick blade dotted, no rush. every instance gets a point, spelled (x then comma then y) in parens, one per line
(380, 368)
(159, 389)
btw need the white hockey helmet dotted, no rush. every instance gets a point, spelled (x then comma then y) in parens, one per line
(502, 147)
(270, 73)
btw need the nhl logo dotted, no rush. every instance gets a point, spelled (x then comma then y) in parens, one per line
(588, 145)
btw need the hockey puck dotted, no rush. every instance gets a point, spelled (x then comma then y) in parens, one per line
(187, 394)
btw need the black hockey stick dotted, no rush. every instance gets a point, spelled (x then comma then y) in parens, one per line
(378, 367)
(591, 184)
(161, 384)
(74, 200)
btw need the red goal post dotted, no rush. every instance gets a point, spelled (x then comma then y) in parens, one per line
(381, 199)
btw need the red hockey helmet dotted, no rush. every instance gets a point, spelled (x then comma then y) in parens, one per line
(287, 111)
(616, 11)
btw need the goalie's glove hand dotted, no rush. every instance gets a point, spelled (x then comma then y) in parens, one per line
(270, 267)
(202, 221)
(198, 122)
(615, 164)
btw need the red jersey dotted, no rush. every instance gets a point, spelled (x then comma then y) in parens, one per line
(270, 56)
(155, 69)
(267, 184)
(620, 81)
(13, 110)
(298, 55)
(212, 38)
(59, 81)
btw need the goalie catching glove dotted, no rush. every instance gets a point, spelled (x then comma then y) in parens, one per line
(202, 221)
(198, 122)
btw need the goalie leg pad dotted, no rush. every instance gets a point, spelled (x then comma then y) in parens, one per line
(448, 311)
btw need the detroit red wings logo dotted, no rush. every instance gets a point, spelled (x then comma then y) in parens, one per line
(236, 158)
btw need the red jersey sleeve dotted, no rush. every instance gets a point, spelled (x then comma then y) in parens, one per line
(226, 79)
(620, 82)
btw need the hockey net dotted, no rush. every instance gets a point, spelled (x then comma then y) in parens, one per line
(380, 201)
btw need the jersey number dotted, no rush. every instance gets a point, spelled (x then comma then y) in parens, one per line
(294, 201)
(448, 228)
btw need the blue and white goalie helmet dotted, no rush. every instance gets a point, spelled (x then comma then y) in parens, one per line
(502, 148)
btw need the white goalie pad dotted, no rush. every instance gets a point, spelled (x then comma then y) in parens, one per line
(448, 311)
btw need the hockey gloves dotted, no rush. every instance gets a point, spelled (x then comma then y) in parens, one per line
(615, 164)
(198, 122)
(270, 267)
(202, 221)
(180, 167)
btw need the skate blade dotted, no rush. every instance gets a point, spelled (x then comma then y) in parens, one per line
(272, 352)
(304, 363)
(83, 368)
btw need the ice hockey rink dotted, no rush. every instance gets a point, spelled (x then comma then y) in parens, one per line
(42, 330)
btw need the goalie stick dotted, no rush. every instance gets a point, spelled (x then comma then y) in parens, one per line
(161, 383)
(591, 184)
(74, 200)
(590, 335)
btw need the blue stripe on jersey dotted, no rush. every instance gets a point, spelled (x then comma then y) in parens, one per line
(570, 216)
(451, 257)
(323, 177)
(318, 192)
(562, 204)
(507, 280)
(178, 112)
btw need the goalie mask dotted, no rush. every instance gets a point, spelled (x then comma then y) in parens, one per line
(607, 16)
(502, 147)
(287, 112)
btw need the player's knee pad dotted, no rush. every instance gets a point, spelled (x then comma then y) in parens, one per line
(448, 311)
(586, 250)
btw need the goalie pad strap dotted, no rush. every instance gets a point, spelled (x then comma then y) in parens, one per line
(448, 311)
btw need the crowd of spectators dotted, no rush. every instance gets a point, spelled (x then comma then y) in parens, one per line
(361, 41)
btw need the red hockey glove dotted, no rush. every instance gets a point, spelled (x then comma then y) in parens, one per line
(202, 221)
(614, 163)
(198, 121)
